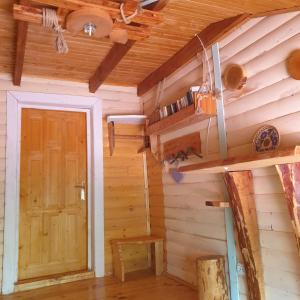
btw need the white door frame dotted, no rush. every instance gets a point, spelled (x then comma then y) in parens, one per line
(93, 108)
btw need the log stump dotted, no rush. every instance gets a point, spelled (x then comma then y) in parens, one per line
(212, 283)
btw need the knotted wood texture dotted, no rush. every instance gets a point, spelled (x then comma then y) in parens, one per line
(242, 201)
(290, 179)
(212, 283)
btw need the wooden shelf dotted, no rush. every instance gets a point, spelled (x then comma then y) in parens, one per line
(252, 161)
(182, 118)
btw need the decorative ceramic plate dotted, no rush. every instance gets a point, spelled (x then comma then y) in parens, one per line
(266, 139)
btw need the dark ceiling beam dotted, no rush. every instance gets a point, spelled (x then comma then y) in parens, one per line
(111, 60)
(115, 55)
(211, 34)
(22, 29)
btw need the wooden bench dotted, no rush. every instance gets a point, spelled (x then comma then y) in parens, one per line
(117, 249)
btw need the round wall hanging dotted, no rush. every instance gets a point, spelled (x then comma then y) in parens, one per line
(234, 77)
(94, 22)
(266, 138)
(293, 64)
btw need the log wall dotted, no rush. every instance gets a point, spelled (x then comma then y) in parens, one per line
(270, 97)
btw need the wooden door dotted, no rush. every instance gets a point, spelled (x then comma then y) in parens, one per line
(53, 215)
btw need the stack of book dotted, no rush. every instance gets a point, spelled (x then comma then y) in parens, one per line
(185, 101)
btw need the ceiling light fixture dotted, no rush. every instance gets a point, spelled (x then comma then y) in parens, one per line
(89, 28)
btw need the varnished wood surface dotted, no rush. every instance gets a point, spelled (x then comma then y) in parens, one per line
(138, 287)
(137, 240)
(124, 190)
(211, 274)
(22, 28)
(182, 19)
(114, 56)
(118, 257)
(240, 188)
(251, 161)
(290, 176)
(53, 218)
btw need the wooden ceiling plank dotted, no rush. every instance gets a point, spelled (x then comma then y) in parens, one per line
(22, 29)
(117, 52)
(290, 179)
(35, 15)
(147, 17)
(209, 35)
(241, 191)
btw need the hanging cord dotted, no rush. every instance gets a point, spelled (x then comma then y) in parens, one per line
(159, 92)
(157, 96)
(207, 136)
(50, 20)
(205, 63)
(128, 19)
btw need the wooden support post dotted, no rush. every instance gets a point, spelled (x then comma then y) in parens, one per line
(242, 201)
(212, 283)
(159, 257)
(290, 179)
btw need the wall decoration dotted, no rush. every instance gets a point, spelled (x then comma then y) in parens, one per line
(293, 64)
(266, 138)
(234, 77)
(177, 176)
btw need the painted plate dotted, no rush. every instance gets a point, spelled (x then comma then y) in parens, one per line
(266, 139)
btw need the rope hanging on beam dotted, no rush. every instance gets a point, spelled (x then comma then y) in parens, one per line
(128, 19)
(50, 20)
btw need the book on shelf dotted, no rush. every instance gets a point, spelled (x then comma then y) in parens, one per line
(190, 98)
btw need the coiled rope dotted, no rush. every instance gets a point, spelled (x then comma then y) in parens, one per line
(128, 19)
(50, 21)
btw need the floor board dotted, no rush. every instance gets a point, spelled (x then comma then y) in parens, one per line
(146, 287)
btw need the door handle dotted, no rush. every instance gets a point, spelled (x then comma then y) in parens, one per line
(82, 190)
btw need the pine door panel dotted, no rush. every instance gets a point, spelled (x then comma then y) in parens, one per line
(53, 218)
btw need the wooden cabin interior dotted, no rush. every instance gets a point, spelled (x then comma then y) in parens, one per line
(150, 149)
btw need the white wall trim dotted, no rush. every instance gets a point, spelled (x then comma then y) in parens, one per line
(93, 107)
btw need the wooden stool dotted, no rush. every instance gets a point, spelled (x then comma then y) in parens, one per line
(118, 261)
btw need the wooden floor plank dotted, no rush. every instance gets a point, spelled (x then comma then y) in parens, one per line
(142, 286)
